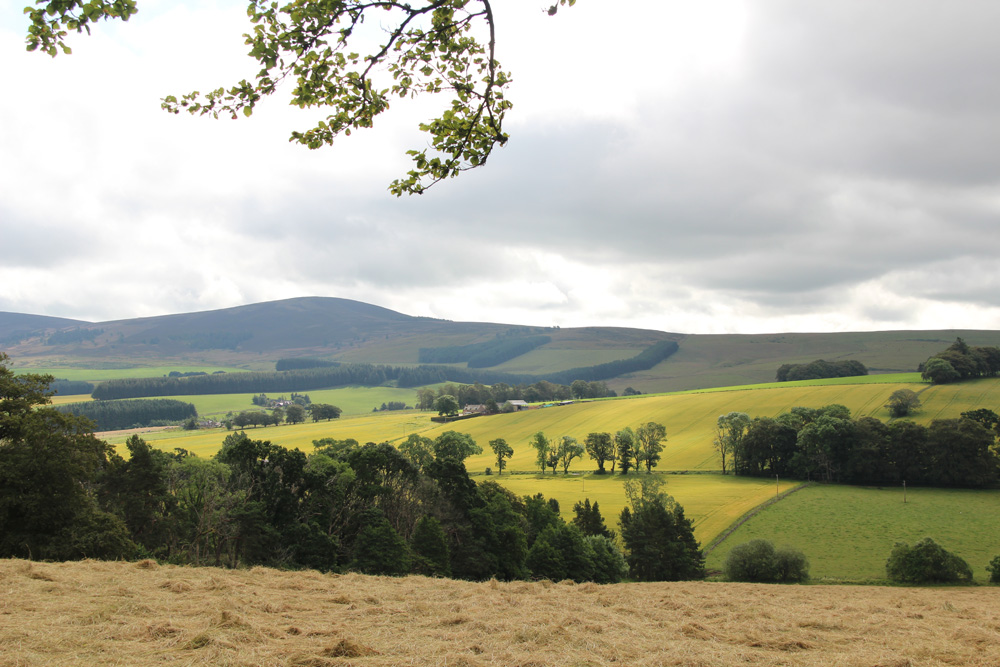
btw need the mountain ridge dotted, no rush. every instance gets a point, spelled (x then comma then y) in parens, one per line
(255, 336)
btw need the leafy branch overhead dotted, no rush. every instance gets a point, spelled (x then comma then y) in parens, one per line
(426, 46)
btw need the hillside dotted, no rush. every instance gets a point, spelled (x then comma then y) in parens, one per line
(80, 614)
(256, 336)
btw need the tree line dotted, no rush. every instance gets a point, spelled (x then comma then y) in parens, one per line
(369, 375)
(827, 444)
(961, 361)
(494, 396)
(483, 355)
(628, 449)
(130, 413)
(372, 508)
(819, 369)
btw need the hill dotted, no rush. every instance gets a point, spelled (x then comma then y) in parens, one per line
(255, 336)
(144, 614)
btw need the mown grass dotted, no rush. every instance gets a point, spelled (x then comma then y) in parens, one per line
(142, 614)
(847, 532)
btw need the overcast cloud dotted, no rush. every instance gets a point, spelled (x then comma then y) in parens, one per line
(719, 166)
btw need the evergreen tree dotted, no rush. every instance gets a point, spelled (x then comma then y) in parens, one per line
(430, 548)
(378, 549)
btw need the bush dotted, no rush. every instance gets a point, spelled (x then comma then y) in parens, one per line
(926, 562)
(994, 569)
(758, 561)
(751, 561)
(791, 565)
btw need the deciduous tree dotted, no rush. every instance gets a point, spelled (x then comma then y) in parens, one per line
(502, 451)
(601, 448)
(428, 47)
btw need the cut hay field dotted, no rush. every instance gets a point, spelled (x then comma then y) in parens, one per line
(139, 614)
(847, 532)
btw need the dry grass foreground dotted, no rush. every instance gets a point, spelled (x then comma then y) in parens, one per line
(103, 613)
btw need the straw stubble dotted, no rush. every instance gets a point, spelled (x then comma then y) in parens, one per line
(100, 613)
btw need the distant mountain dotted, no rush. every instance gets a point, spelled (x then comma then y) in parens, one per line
(255, 336)
(18, 326)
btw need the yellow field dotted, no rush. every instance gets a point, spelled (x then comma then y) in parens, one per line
(712, 502)
(689, 419)
(374, 427)
(94, 613)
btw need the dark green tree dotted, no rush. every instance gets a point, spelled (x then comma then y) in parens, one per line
(650, 437)
(601, 448)
(730, 429)
(940, 371)
(49, 468)
(994, 570)
(453, 444)
(625, 446)
(446, 405)
(758, 561)
(295, 414)
(659, 539)
(378, 548)
(543, 450)
(419, 449)
(588, 519)
(926, 562)
(902, 402)
(429, 547)
(502, 451)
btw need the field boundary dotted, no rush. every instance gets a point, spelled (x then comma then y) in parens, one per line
(721, 537)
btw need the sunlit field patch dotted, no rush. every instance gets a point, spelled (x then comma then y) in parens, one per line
(847, 532)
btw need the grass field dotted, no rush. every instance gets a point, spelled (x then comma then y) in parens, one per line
(93, 613)
(847, 532)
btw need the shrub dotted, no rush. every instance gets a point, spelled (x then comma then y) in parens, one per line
(759, 561)
(994, 569)
(925, 562)
(751, 561)
(791, 565)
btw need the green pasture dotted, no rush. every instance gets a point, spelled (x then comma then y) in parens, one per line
(712, 502)
(847, 532)
(718, 360)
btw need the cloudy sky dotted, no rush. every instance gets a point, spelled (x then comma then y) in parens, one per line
(700, 167)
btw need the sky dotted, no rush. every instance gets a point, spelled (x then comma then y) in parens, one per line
(720, 166)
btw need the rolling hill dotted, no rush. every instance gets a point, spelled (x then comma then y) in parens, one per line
(255, 336)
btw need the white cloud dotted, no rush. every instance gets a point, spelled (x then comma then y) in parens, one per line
(699, 167)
